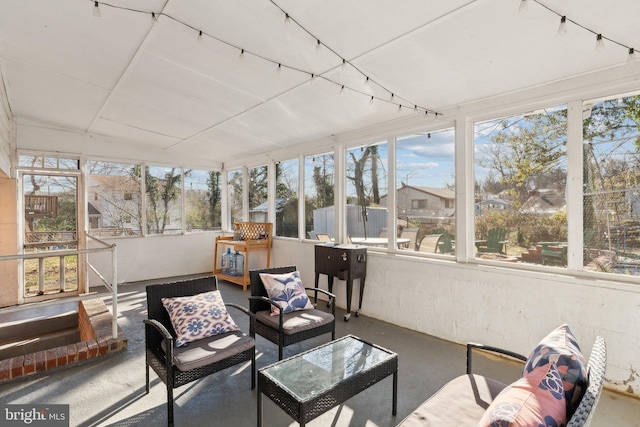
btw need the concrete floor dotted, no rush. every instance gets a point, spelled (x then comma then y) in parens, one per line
(110, 391)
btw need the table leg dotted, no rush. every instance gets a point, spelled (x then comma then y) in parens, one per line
(394, 411)
(259, 408)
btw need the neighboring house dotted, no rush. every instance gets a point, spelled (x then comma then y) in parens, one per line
(423, 202)
(632, 197)
(114, 201)
(544, 202)
(491, 205)
(260, 212)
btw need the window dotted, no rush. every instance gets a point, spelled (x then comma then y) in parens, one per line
(287, 198)
(202, 200)
(163, 187)
(112, 213)
(611, 196)
(366, 183)
(234, 188)
(420, 204)
(318, 194)
(258, 196)
(520, 179)
(425, 192)
(42, 162)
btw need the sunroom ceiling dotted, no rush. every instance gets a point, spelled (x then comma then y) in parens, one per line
(156, 85)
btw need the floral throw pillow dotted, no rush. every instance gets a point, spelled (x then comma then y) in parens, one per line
(198, 316)
(560, 347)
(287, 291)
(536, 399)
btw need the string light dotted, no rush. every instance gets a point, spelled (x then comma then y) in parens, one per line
(96, 10)
(399, 108)
(524, 5)
(393, 99)
(371, 101)
(599, 43)
(562, 28)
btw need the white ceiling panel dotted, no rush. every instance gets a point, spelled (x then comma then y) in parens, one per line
(157, 86)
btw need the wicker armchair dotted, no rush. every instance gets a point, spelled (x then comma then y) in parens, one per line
(202, 357)
(289, 328)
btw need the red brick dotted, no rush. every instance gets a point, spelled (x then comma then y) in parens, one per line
(62, 355)
(72, 353)
(92, 346)
(83, 350)
(52, 358)
(16, 366)
(41, 361)
(102, 344)
(5, 369)
(29, 365)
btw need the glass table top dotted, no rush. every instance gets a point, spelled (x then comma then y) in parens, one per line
(311, 373)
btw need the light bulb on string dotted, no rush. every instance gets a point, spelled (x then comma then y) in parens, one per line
(367, 83)
(279, 69)
(562, 28)
(241, 56)
(199, 38)
(599, 43)
(318, 45)
(344, 64)
(96, 10)
(154, 17)
(392, 98)
(524, 5)
(371, 100)
(632, 56)
(287, 19)
(415, 109)
(341, 89)
(426, 115)
(399, 108)
(313, 78)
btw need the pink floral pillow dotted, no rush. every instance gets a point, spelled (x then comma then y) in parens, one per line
(535, 400)
(287, 291)
(560, 347)
(198, 316)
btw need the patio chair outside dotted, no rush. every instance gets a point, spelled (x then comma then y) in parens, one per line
(445, 245)
(496, 241)
(323, 237)
(412, 235)
(288, 328)
(429, 243)
(177, 366)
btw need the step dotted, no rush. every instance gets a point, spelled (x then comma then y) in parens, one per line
(35, 343)
(38, 321)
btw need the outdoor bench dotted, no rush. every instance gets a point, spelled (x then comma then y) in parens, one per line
(475, 400)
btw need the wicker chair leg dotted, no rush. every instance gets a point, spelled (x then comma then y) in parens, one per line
(147, 386)
(170, 405)
(280, 352)
(253, 371)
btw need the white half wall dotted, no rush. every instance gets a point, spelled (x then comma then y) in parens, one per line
(492, 305)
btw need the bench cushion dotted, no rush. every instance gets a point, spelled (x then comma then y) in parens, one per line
(459, 403)
(209, 350)
(296, 321)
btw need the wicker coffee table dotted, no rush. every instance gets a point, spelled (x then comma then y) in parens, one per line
(308, 384)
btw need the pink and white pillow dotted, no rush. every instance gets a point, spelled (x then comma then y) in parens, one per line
(198, 316)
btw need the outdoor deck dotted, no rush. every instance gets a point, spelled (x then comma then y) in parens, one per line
(110, 391)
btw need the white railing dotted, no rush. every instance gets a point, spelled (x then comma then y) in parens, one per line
(112, 287)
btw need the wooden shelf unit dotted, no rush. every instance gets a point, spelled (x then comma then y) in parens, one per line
(255, 236)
